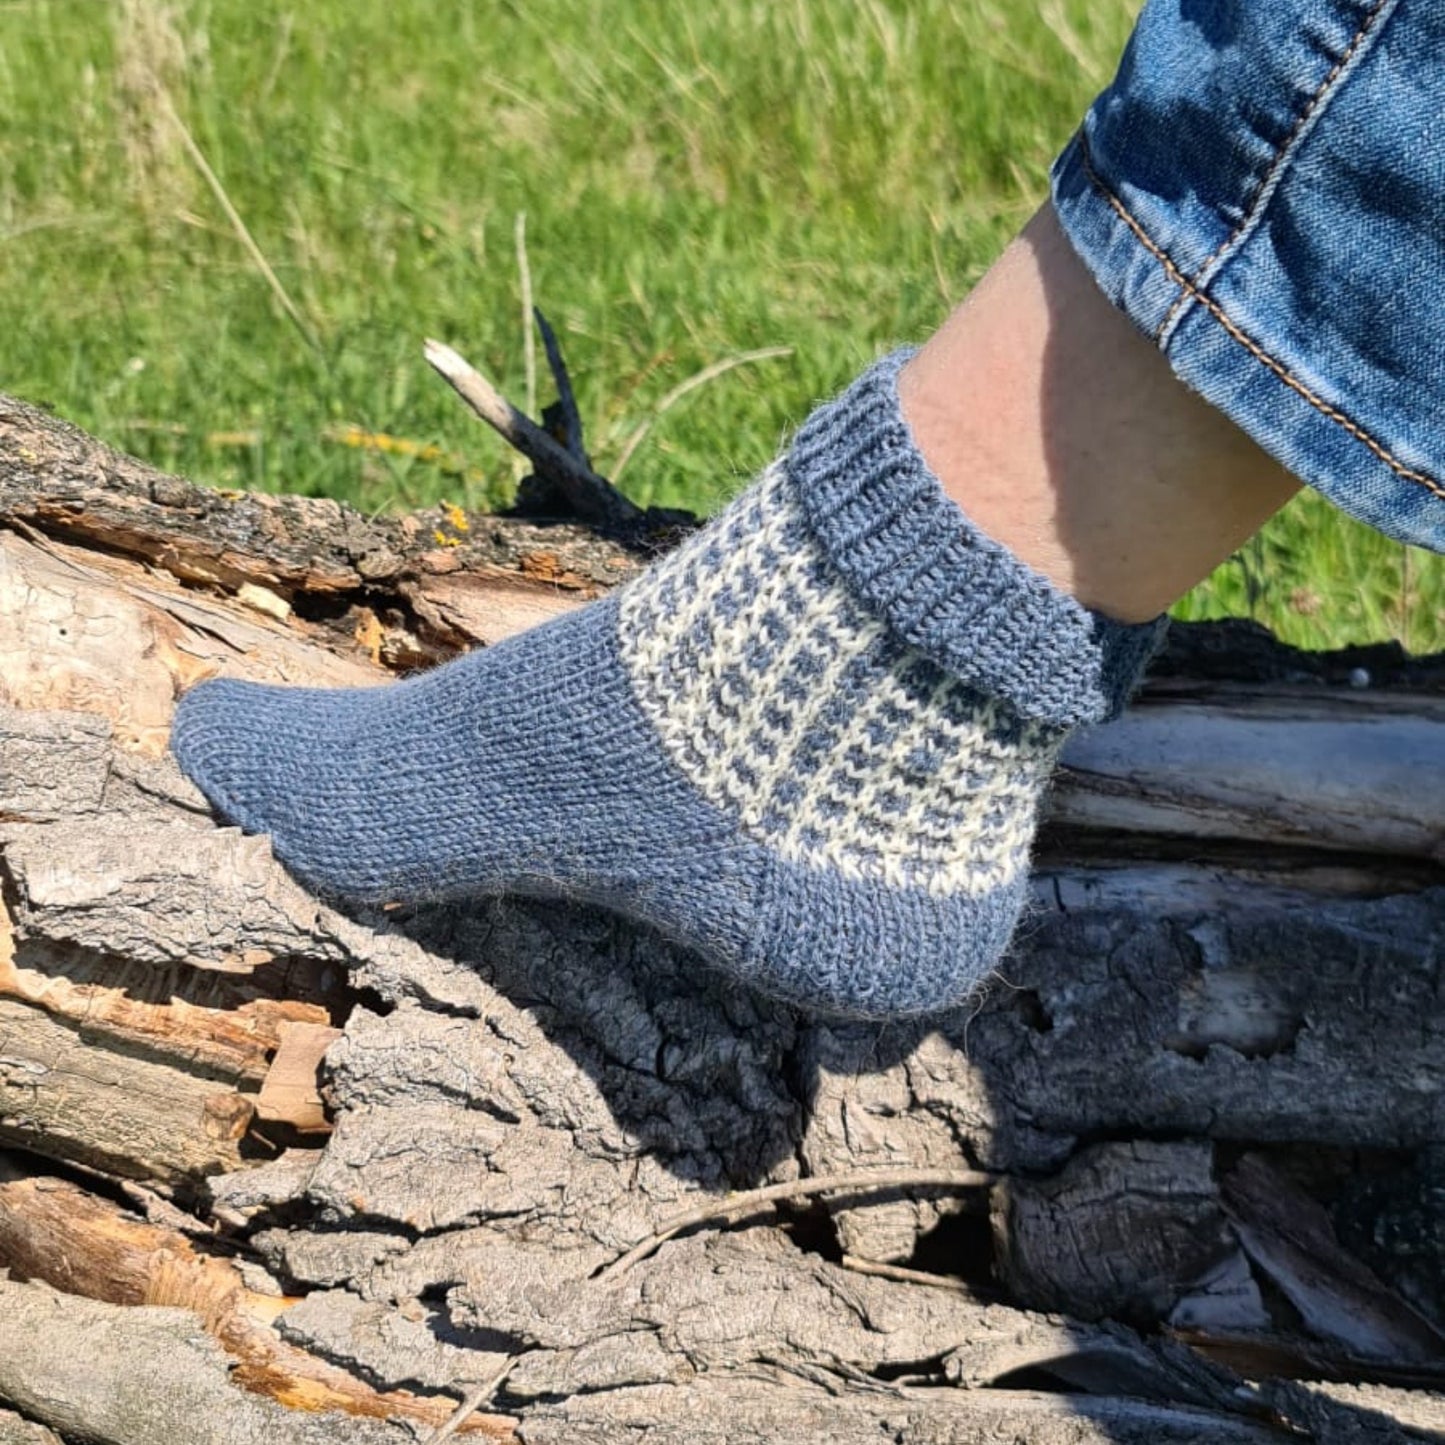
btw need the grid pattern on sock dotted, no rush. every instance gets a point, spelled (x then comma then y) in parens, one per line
(783, 700)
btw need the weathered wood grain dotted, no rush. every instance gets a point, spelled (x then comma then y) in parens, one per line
(1237, 946)
(108, 1109)
(1360, 771)
(59, 1235)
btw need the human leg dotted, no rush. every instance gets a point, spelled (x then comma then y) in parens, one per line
(1262, 190)
(1065, 435)
(811, 743)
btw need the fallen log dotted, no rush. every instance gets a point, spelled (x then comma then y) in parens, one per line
(321, 1176)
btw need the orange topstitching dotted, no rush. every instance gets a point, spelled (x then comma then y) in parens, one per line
(1279, 157)
(1213, 307)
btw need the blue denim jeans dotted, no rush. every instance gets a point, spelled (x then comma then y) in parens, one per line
(1262, 190)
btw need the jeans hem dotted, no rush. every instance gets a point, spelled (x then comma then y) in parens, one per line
(1342, 456)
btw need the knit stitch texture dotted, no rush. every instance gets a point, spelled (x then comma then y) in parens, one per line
(809, 743)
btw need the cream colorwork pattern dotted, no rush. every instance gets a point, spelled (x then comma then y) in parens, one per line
(832, 741)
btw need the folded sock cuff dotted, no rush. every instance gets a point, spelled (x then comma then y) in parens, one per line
(909, 553)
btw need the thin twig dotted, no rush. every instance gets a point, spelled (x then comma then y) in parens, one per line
(472, 1401)
(159, 1210)
(566, 399)
(701, 378)
(234, 217)
(854, 1181)
(907, 1276)
(592, 498)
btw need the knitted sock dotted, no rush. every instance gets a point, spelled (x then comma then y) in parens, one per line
(809, 743)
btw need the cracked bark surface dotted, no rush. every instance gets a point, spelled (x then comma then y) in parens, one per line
(16, 1430)
(1235, 962)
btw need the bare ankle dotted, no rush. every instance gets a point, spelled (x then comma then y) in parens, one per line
(1063, 433)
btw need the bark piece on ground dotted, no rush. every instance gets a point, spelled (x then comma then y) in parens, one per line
(1122, 1230)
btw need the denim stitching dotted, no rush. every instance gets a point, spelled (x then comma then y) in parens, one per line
(1272, 169)
(1217, 311)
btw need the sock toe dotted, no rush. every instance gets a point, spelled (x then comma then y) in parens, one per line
(274, 760)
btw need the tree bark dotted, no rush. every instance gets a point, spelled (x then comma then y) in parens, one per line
(277, 1173)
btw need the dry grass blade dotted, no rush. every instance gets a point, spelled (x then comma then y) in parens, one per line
(684, 388)
(243, 234)
(529, 344)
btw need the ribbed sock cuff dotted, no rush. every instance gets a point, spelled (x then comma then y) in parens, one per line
(909, 553)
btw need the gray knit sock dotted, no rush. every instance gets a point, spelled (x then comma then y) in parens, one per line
(810, 743)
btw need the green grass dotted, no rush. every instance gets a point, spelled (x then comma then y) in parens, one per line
(698, 181)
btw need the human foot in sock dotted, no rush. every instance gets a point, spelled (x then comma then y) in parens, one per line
(809, 744)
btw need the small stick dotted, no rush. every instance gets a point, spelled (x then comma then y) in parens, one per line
(473, 1400)
(748, 1201)
(159, 1210)
(571, 417)
(592, 498)
(907, 1276)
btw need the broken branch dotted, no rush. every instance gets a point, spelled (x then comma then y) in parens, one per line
(592, 498)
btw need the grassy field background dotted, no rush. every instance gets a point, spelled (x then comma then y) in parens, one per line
(697, 182)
